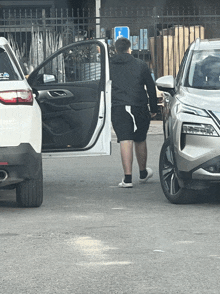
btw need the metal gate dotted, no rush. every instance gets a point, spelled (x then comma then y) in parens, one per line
(159, 37)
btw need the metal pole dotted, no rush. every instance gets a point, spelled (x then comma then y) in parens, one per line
(97, 9)
(155, 42)
(44, 33)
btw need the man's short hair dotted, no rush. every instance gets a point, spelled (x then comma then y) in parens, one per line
(122, 45)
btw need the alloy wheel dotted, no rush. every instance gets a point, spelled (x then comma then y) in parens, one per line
(168, 172)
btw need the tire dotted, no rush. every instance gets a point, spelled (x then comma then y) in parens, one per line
(29, 193)
(169, 180)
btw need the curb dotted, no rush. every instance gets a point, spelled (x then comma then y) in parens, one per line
(156, 127)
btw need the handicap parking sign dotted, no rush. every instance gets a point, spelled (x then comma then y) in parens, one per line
(120, 32)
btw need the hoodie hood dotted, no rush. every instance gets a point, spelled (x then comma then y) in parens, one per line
(122, 58)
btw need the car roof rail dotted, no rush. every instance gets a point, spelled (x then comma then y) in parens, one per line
(197, 43)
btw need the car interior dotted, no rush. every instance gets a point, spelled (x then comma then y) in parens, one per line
(207, 73)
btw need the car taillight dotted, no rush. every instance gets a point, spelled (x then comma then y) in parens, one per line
(16, 97)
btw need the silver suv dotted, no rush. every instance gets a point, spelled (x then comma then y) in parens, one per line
(190, 155)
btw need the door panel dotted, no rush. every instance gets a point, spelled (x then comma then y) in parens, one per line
(69, 88)
(69, 115)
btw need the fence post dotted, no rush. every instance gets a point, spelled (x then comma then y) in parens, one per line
(155, 41)
(44, 32)
(97, 14)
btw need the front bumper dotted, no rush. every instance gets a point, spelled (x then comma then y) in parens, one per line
(196, 155)
(20, 163)
(202, 172)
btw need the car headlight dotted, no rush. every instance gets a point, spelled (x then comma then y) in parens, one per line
(191, 110)
(199, 129)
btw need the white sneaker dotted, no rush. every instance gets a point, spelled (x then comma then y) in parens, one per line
(149, 175)
(125, 185)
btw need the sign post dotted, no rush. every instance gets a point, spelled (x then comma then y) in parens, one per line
(120, 32)
(98, 6)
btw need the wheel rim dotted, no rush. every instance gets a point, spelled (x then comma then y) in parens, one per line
(168, 173)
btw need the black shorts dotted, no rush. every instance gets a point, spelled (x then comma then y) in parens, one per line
(131, 122)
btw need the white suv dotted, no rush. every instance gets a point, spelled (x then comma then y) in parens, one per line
(68, 114)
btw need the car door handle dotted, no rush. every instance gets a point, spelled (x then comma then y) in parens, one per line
(57, 93)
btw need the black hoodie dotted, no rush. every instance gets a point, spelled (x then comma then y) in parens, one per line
(129, 75)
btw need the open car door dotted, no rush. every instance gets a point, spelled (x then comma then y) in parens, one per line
(74, 93)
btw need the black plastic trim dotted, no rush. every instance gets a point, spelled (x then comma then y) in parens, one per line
(23, 163)
(188, 175)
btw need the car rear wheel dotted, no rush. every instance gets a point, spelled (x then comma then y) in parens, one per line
(29, 193)
(169, 180)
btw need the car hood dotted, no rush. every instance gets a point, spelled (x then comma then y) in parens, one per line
(205, 99)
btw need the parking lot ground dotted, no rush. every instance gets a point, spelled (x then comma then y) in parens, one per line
(91, 237)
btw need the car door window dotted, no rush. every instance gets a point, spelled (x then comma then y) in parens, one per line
(80, 63)
(70, 86)
(8, 69)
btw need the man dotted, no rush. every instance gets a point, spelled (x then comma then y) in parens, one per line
(130, 112)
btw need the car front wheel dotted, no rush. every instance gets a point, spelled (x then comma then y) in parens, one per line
(169, 180)
(29, 193)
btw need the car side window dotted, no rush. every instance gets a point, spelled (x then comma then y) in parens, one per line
(76, 64)
(181, 68)
(8, 72)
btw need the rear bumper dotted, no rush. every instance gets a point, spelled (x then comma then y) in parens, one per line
(20, 163)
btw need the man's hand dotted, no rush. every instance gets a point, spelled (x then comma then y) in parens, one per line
(153, 115)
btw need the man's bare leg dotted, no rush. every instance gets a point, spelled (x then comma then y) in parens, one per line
(127, 156)
(141, 154)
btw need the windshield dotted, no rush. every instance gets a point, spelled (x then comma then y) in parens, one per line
(204, 70)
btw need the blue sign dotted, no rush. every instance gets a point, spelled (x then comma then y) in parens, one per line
(120, 32)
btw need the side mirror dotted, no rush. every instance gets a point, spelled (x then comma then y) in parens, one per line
(49, 78)
(41, 79)
(45, 79)
(166, 84)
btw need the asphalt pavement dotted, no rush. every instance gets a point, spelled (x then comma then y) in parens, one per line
(91, 237)
(156, 127)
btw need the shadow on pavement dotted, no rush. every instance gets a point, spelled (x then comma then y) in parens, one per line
(8, 199)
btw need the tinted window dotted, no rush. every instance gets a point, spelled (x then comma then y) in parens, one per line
(8, 71)
(204, 70)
